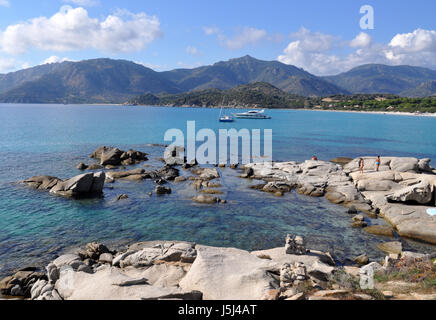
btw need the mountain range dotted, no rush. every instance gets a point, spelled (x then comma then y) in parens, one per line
(117, 81)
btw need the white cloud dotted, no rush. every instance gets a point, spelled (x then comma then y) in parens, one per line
(324, 54)
(72, 29)
(7, 65)
(83, 3)
(244, 37)
(193, 51)
(211, 31)
(5, 3)
(362, 40)
(55, 59)
(247, 36)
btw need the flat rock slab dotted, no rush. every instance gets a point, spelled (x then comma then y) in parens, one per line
(394, 247)
(229, 274)
(109, 283)
(380, 230)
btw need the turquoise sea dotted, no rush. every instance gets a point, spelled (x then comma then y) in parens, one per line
(53, 139)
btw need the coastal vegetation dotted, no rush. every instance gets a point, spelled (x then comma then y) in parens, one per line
(264, 95)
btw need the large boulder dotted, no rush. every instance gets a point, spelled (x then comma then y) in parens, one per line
(229, 274)
(110, 283)
(421, 193)
(404, 164)
(89, 184)
(114, 157)
(20, 284)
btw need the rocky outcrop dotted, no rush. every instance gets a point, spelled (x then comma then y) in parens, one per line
(401, 191)
(229, 274)
(85, 185)
(21, 283)
(115, 157)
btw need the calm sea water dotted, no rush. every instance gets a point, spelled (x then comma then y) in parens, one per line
(52, 140)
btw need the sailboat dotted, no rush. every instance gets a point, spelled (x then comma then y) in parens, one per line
(225, 118)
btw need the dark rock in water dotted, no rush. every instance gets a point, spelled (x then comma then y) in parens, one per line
(206, 199)
(160, 190)
(125, 174)
(90, 184)
(161, 182)
(168, 173)
(95, 166)
(352, 210)
(42, 182)
(394, 247)
(122, 197)
(359, 224)
(85, 185)
(248, 173)
(276, 187)
(258, 186)
(362, 260)
(380, 230)
(111, 156)
(82, 166)
(116, 157)
(180, 179)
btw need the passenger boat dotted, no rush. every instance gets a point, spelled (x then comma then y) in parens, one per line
(252, 114)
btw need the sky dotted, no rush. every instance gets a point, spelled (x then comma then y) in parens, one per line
(320, 36)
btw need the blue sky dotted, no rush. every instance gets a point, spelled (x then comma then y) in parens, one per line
(323, 37)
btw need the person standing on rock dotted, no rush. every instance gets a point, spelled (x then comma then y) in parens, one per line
(361, 165)
(314, 158)
(378, 163)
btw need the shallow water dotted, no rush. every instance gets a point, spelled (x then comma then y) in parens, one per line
(52, 140)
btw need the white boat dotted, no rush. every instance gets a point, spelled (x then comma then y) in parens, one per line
(252, 114)
(225, 118)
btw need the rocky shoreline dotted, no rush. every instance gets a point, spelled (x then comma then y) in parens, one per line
(165, 270)
(400, 192)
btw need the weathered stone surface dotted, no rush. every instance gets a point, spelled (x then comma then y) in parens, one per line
(66, 260)
(161, 190)
(209, 174)
(421, 193)
(114, 156)
(380, 230)
(147, 253)
(206, 199)
(229, 274)
(109, 283)
(89, 184)
(295, 245)
(391, 247)
(280, 257)
(81, 166)
(42, 182)
(362, 259)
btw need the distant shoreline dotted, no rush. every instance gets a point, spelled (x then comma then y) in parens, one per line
(397, 113)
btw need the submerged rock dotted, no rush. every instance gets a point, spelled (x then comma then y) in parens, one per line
(206, 199)
(394, 247)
